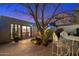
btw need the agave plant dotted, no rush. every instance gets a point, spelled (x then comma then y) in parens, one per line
(46, 36)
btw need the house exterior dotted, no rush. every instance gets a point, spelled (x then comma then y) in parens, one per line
(70, 28)
(11, 27)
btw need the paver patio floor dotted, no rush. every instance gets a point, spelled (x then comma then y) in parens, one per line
(25, 48)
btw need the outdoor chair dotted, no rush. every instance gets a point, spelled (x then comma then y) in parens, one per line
(58, 31)
(63, 37)
(64, 48)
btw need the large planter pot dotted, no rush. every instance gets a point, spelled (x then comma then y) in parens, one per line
(16, 39)
(50, 40)
(46, 44)
(36, 41)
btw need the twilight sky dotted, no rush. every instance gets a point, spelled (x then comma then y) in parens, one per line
(18, 11)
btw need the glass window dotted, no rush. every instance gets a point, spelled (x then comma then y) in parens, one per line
(12, 31)
(24, 31)
(28, 31)
(16, 30)
(19, 30)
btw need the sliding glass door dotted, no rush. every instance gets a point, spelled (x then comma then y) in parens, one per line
(15, 31)
(20, 31)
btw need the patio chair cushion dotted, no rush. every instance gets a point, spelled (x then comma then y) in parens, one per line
(63, 33)
(55, 38)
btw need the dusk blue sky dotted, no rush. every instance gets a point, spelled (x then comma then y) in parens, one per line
(19, 11)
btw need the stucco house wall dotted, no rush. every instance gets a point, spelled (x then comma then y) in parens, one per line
(70, 28)
(5, 25)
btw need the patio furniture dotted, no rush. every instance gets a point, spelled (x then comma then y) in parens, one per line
(73, 38)
(36, 41)
(73, 42)
(58, 31)
(63, 33)
(64, 48)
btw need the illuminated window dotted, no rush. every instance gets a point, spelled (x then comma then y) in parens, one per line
(12, 31)
(19, 30)
(23, 31)
(16, 30)
(28, 31)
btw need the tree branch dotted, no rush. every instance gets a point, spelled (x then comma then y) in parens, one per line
(43, 7)
(53, 14)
